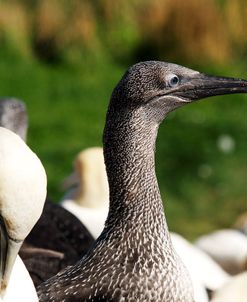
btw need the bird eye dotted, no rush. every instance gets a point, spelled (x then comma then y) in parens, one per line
(173, 80)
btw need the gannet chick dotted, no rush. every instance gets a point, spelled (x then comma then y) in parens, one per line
(205, 273)
(22, 197)
(68, 241)
(133, 259)
(88, 197)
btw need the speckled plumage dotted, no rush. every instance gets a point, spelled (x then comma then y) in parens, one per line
(133, 259)
(67, 242)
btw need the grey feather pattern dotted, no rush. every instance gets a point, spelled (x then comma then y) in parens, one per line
(133, 259)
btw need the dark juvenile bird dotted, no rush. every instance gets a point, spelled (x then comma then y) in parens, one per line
(133, 259)
(57, 240)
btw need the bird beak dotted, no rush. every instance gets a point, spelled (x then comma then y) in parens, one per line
(8, 253)
(70, 181)
(202, 86)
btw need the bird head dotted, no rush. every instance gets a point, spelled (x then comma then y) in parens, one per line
(159, 88)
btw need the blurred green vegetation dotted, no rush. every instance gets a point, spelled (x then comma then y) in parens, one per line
(63, 58)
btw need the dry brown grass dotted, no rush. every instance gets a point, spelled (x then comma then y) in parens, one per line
(192, 29)
(15, 26)
(54, 21)
(236, 22)
(49, 20)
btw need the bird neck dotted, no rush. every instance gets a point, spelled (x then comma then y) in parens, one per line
(135, 201)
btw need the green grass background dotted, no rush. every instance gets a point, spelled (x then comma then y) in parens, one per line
(67, 105)
(63, 58)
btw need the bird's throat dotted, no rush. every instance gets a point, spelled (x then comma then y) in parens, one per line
(130, 163)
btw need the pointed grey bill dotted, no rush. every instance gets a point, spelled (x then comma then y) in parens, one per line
(202, 86)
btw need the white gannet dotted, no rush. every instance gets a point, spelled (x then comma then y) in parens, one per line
(22, 196)
(205, 273)
(69, 239)
(235, 290)
(228, 247)
(88, 197)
